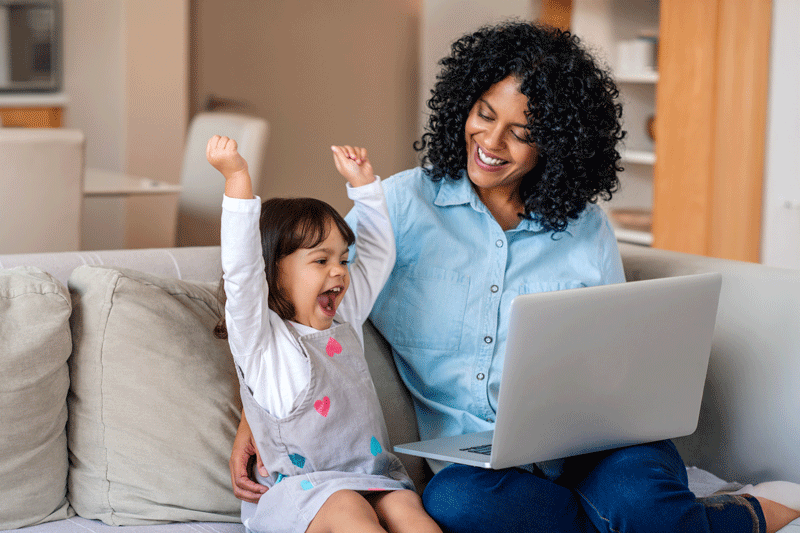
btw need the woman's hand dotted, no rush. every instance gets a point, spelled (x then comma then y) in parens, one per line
(352, 163)
(244, 449)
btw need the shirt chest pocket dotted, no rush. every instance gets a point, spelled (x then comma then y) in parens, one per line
(548, 286)
(429, 306)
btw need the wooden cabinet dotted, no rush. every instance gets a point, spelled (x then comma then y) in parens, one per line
(711, 107)
(31, 117)
(32, 110)
(710, 99)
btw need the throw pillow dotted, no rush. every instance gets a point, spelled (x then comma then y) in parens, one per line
(35, 344)
(154, 402)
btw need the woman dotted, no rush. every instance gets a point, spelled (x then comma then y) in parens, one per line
(521, 143)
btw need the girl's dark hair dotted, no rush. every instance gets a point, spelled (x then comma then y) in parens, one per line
(573, 116)
(286, 225)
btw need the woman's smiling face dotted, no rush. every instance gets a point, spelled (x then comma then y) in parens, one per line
(498, 156)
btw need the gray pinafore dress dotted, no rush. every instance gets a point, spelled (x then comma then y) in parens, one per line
(334, 439)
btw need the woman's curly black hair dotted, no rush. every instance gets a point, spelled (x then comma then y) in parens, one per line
(573, 115)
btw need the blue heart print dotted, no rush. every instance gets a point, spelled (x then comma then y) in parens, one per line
(375, 447)
(306, 485)
(297, 460)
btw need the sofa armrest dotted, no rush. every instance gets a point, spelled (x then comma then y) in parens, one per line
(749, 422)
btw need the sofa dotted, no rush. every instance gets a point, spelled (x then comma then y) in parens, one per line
(118, 406)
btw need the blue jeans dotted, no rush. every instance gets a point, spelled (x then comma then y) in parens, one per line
(640, 488)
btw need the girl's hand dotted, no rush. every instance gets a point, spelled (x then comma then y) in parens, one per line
(352, 163)
(223, 155)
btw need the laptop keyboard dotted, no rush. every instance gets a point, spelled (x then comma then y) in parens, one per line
(483, 449)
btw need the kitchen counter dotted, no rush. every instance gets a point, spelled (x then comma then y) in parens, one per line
(33, 99)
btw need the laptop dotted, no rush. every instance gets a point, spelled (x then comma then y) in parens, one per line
(592, 369)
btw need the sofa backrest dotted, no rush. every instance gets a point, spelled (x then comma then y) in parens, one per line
(749, 418)
(200, 263)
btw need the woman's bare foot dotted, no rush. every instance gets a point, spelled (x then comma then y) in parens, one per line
(776, 515)
(780, 502)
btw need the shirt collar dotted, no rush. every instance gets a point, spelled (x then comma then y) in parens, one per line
(456, 192)
(460, 192)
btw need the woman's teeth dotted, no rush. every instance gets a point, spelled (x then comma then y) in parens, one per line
(489, 160)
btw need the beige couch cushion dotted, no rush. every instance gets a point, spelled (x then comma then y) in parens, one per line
(154, 401)
(34, 347)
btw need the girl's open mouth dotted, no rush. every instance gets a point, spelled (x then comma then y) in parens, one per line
(327, 300)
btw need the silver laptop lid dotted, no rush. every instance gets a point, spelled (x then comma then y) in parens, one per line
(613, 365)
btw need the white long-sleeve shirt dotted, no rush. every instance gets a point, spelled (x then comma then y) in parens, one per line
(270, 357)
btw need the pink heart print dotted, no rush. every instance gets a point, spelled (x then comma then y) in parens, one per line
(333, 347)
(323, 406)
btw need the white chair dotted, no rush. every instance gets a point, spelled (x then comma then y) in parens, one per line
(200, 200)
(41, 189)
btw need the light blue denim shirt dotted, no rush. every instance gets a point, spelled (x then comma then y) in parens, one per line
(445, 307)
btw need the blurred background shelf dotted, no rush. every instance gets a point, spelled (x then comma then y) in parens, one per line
(637, 77)
(640, 157)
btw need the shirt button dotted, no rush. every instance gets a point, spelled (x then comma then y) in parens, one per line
(495, 288)
(480, 376)
(499, 243)
(487, 339)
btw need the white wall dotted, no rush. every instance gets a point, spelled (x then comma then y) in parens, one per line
(321, 73)
(780, 230)
(126, 76)
(156, 105)
(94, 78)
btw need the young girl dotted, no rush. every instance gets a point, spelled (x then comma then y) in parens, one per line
(295, 334)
